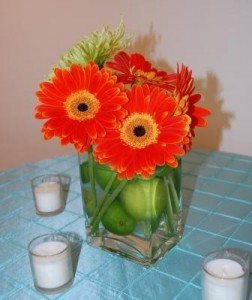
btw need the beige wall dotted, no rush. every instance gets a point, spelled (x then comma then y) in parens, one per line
(212, 37)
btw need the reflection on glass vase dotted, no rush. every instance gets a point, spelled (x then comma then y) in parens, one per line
(139, 219)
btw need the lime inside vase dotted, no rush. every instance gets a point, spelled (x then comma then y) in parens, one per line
(139, 219)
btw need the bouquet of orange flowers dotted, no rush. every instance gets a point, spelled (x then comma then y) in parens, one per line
(135, 122)
(132, 115)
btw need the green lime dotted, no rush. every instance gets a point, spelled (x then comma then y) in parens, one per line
(144, 199)
(103, 174)
(117, 221)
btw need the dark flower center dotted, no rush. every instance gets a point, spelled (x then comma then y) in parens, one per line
(139, 131)
(82, 107)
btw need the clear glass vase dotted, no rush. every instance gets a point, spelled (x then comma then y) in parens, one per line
(139, 219)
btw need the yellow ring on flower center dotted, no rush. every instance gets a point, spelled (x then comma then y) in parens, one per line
(139, 130)
(82, 105)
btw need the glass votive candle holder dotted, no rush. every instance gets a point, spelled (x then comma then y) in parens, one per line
(47, 194)
(51, 264)
(225, 275)
(65, 182)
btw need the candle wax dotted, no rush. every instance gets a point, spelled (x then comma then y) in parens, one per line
(51, 265)
(224, 268)
(223, 280)
(48, 196)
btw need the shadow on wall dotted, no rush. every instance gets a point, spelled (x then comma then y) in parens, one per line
(219, 120)
(146, 45)
(209, 137)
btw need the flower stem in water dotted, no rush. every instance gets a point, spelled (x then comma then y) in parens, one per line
(104, 205)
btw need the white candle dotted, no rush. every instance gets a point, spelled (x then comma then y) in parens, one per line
(223, 279)
(48, 196)
(50, 263)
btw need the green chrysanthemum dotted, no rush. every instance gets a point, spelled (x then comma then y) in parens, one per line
(97, 47)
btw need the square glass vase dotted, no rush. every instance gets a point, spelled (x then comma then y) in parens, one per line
(139, 219)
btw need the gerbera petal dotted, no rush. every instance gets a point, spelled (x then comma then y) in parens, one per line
(198, 114)
(184, 85)
(77, 75)
(135, 68)
(120, 63)
(52, 101)
(60, 80)
(50, 111)
(75, 112)
(49, 89)
(194, 98)
(140, 144)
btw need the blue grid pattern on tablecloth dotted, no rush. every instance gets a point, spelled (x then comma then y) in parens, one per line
(217, 198)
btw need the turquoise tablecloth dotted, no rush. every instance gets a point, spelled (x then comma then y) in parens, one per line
(217, 197)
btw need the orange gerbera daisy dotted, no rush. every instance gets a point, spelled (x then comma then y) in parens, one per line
(186, 101)
(136, 69)
(150, 135)
(80, 104)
